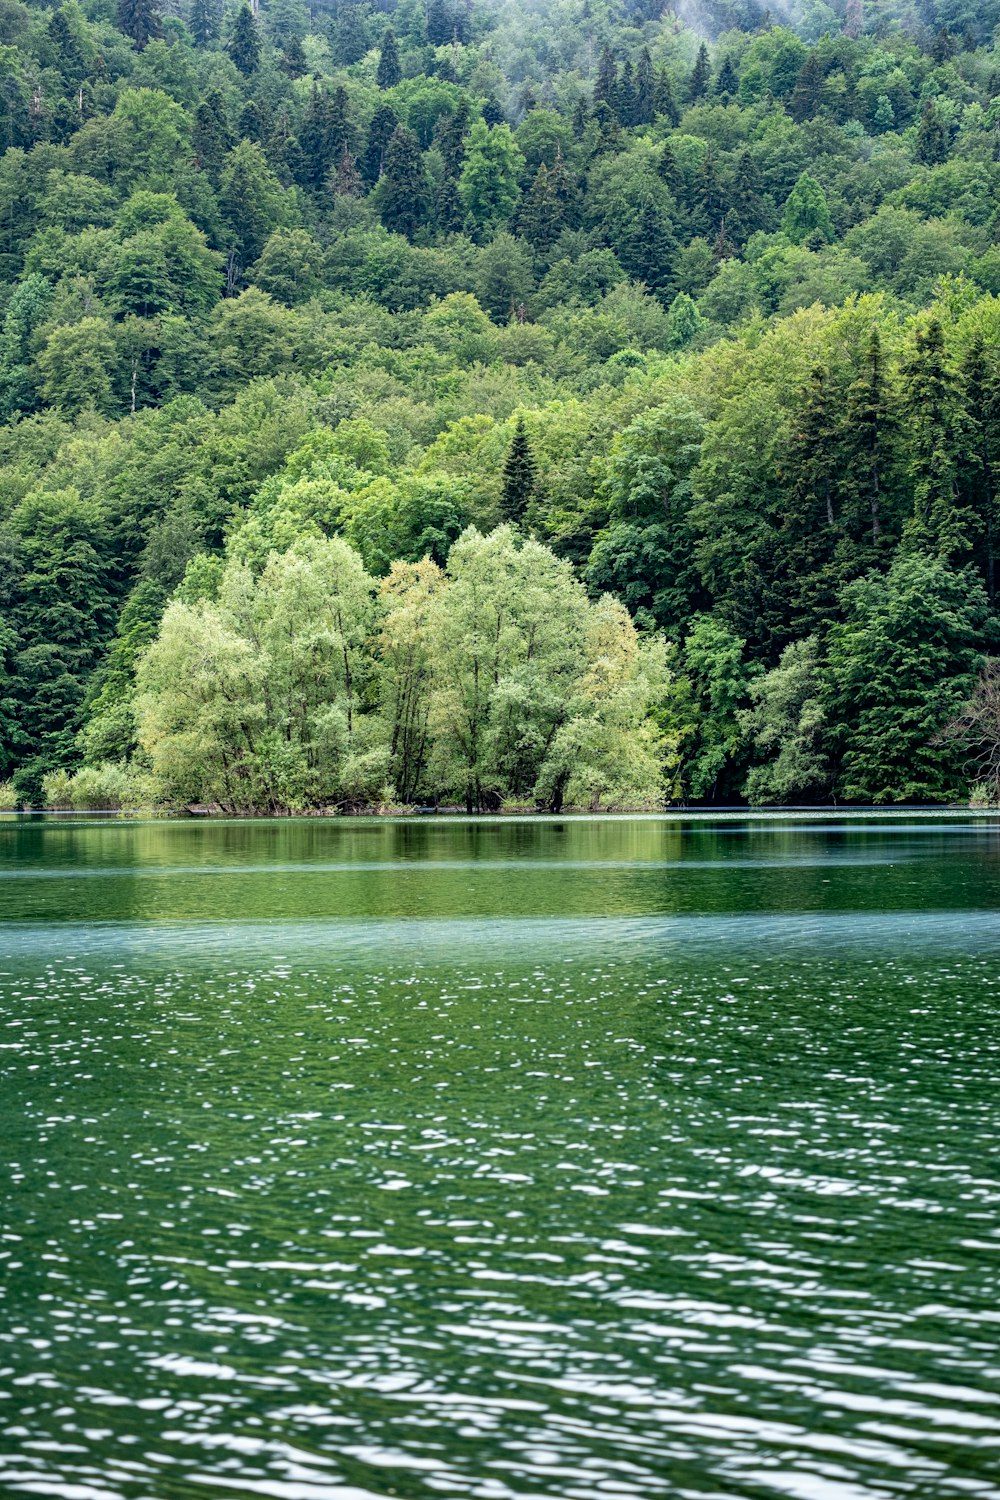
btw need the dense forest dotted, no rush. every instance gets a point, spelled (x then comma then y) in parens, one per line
(545, 404)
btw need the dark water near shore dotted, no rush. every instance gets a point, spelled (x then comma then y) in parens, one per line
(589, 1159)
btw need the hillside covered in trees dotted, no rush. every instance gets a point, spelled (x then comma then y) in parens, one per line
(552, 404)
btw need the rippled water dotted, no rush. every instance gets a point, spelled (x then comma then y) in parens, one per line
(577, 1159)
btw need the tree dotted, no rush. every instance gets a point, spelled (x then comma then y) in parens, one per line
(807, 96)
(140, 20)
(900, 667)
(727, 83)
(76, 364)
(519, 475)
(786, 723)
(403, 191)
(243, 45)
(383, 122)
(932, 144)
(211, 136)
(205, 23)
(256, 701)
(975, 733)
(540, 215)
(251, 200)
(489, 182)
(644, 107)
(807, 214)
(940, 449)
(700, 74)
(389, 71)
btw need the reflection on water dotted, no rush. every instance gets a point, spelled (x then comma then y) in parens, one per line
(573, 1159)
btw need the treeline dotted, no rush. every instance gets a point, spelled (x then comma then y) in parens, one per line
(713, 327)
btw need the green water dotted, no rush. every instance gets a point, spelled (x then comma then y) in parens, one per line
(597, 1159)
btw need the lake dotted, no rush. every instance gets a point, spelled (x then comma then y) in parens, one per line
(599, 1159)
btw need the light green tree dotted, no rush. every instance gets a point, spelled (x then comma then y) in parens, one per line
(489, 182)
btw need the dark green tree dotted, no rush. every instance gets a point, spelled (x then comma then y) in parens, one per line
(383, 123)
(644, 109)
(140, 20)
(389, 71)
(519, 476)
(932, 145)
(205, 23)
(664, 100)
(701, 73)
(727, 83)
(243, 46)
(403, 198)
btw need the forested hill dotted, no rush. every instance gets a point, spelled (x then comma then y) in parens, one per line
(700, 313)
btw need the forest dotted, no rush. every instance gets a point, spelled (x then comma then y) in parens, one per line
(511, 404)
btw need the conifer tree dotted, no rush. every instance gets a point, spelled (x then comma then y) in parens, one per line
(347, 180)
(623, 102)
(389, 71)
(540, 216)
(648, 249)
(981, 388)
(644, 109)
(664, 100)
(293, 58)
(383, 123)
(243, 46)
(700, 74)
(403, 189)
(606, 86)
(205, 22)
(727, 82)
(807, 95)
(932, 145)
(867, 430)
(940, 450)
(211, 137)
(140, 19)
(453, 130)
(519, 476)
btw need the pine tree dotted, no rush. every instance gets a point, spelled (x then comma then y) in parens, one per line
(452, 130)
(746, 205)
(867, 429)
(449, 210)
(667, 169)
(389, 71)
(403, 189)
(579, 119)
(243, 46)
(347, 180)
(71, 63)
(806, 580)
(807, 95)
(293, 58)
(606, 86)
(854, 19)
(981, 389)
(700, 74)
(644, 110)
(519, 476)
(648, 249)
(623, 102)
(441, 23)
(540, 217)
(727, 83)
(251, 122)
(932, 146)
(940, 450)
(325, 133)
(140, 19)
(211, 137)
(383, 123)
(205, 22)
(664, 101)
(492, 113)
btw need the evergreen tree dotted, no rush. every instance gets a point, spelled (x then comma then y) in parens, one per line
(727, 83)
(243, 45)
(648, 250)
(389, 71)
(70, 60)
(140, 19)
(492, 113)
(293, 58)
(347, 181)
(981, 388)
(940, 450)
(644, 109)
(700, 75)
(383, 123)
(403, 190)
(932, 146)
(442, 23)
(606, 86)
(746, 205)
(803, 598)
(807, 96)
(452, 131)
(540, 217)
(623, 102)
(867, 434)
(325, 133)
(350, 35)
(519, 476)
(251, 122)
(211, 137)
(205, 23)
(664, 101)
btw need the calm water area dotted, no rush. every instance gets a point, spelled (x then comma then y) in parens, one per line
(586, 1159)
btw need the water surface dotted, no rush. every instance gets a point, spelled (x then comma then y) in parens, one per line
(589, 1159)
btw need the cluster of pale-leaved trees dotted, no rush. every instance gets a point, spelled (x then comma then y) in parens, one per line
(307, 683)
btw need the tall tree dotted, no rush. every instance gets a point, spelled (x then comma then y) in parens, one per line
(403, 191)
(243, 46)
(140, 19)
(519, 475)
(701, 73)
(389, 71)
